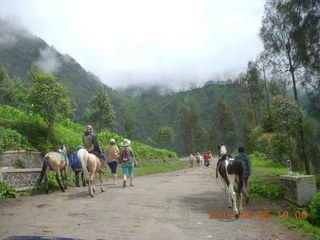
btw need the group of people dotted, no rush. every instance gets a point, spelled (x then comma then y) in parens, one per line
(207, 156)
(112, 156)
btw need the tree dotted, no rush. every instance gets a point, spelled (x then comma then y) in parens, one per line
(129, 126)
(48, 98)
(279, 39)
(224, 123)
(191, 127)
(252, 84)
(99, 110)
(166, 136)
(287, 114)
(10, 89)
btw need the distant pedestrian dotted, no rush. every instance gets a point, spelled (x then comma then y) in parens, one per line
(127, 160)
(198, 158)
(246, 160)
(112, 154)
(191, 160)
(206, 159)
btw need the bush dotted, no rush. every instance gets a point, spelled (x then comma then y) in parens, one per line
(275, 192)
(314, 215)
(7, 191)
(12, 140)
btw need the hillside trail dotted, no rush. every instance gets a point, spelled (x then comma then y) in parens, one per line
(172, 205)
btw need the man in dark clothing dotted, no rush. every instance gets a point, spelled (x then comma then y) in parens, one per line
(91, 144)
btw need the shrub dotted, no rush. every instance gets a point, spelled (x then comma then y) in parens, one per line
(7, 191)
(12, 140)
(314, 216)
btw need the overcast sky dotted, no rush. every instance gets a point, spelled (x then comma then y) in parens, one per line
(124, 42)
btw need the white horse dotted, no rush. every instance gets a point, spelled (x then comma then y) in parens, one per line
(231, 171)
(90, 165)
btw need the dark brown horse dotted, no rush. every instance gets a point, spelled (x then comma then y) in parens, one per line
(231, 171)
(58, 162)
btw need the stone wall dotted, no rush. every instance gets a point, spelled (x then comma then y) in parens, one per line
(21, 159)
(20, 179)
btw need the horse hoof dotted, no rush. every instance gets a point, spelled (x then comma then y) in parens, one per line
(92, 196)
(102, 190)
(236, 216)
(230, 206)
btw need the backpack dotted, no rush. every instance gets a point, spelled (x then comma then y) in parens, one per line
(198, 158)
(125, 155)
(87, 141)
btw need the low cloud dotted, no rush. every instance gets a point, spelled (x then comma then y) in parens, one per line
(48, 60)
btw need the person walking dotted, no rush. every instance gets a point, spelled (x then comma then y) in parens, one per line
(191, 160)
(112, 154)
(198, 158)
(246, 160)
(127, 161)
(206, 159)
(76, 167)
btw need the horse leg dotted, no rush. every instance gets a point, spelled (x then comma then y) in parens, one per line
(64, 178)
(46, 188)
(234, 200)
(229, 195)
(100, 175)
(91, 185)
(58, 180)
(240, 203)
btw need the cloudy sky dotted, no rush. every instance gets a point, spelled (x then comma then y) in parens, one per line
(124, 42)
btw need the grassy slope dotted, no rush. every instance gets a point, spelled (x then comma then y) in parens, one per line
(265, 181)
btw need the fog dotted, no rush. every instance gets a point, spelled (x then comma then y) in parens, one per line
(174, 43)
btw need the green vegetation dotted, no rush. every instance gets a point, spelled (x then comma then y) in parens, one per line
(7, 191)
(265, 179)
(265, 182)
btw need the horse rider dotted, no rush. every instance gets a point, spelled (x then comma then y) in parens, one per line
(91, 144)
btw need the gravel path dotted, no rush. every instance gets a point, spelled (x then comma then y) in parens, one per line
(166, 206)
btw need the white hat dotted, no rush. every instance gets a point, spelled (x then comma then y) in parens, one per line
(112, 140)
(125, 142)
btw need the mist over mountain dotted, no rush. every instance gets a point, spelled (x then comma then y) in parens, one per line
(150, 106)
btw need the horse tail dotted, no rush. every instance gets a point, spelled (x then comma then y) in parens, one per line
(44, 168)
(240, 169)
(83, 159)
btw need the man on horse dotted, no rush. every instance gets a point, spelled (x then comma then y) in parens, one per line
(91, 144)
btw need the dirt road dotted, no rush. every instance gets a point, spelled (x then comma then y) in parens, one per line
(164, 206)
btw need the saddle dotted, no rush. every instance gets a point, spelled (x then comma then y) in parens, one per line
(221, 160)
(62, 154)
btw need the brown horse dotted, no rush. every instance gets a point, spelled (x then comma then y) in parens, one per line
(58, 162)
(231, 171)
(90, 164)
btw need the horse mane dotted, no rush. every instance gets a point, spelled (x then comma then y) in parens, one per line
(223, 150)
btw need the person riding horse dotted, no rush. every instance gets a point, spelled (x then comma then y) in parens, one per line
(91, 144)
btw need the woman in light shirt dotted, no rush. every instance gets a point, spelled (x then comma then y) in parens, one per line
(112, 154)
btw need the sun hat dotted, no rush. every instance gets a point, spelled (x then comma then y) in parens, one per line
(112, 140)
(125, 142)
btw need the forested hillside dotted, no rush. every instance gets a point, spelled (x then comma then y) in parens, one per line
(20, 49)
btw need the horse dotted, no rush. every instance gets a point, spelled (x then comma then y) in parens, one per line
(231, 171)
(90, 164)
(58, 162)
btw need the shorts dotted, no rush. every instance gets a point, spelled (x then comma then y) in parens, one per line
(113, 166)
(127, 171)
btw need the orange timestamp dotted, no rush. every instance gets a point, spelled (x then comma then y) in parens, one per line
(255, 215)
(242, 214)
